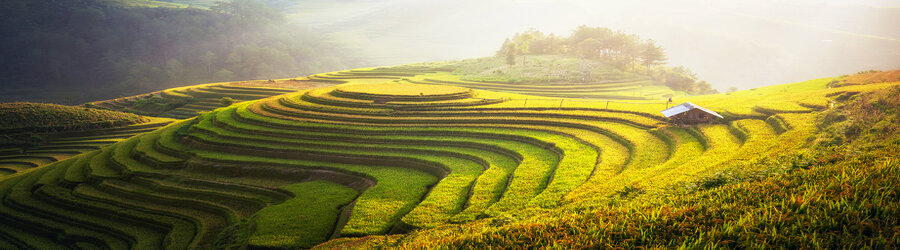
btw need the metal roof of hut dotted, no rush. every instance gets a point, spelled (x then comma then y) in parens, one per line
(685, 107)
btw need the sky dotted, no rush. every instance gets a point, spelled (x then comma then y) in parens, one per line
(738, 43)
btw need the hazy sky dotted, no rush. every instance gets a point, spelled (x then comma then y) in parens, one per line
(728, 42)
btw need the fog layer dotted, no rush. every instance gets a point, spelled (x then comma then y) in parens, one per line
(729, 43)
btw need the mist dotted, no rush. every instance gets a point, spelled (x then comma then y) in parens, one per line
(728, 43)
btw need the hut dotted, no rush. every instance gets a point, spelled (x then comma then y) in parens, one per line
(689, 113)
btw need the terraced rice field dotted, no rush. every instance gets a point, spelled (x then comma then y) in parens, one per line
(367, 159)
(633, 90)
(64, 145)
(187, 102)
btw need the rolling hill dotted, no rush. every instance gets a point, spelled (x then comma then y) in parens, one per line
(36, 134)
(413, 156)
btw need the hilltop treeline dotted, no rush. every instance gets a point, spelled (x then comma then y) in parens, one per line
(624, 51)
(98, 45)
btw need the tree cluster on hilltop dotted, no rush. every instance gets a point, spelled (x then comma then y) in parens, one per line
(93, 44)
(624, 51)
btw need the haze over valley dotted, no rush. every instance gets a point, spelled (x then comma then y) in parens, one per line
(728, 43)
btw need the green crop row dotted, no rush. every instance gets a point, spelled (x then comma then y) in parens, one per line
(83, 215)
(497, 158)
(445, 199)
(305, 220)
(207, 219)
(555, 193)
(526, 166)
(376, 210)
(588, 172)
(35, 228)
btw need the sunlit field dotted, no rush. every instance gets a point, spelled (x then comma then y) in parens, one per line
(365, 158)
(271, 124)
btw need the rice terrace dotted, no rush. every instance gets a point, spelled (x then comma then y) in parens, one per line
(589, 140)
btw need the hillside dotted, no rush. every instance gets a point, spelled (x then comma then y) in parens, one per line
(72, 52)
(187, 102)
(839, 190)
(386, 152)
(36, 134)
(42, 117)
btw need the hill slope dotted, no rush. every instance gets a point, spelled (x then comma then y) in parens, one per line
(41, 117)
(187, 102)
(36, 134)
(380, 154)
(837, 194)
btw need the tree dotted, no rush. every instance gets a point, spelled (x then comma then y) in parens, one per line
(590, 48)
(545, 44)
(223, 75)
(704, 87)
(508, 50)
(247, 11)
(732, 89)
(504, 48)
(511, 56)
(208, 58)
(652, 54)
(174, 69)
(680, 81)
(524, 41)
(109, 50)
(630, 49)
(583, 33)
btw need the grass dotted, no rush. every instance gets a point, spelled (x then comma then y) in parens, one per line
(21, 117)
(303, 221)
(831, 205)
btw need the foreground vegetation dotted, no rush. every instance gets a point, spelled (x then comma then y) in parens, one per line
(387, 159)
(830, 196)
(834, 201)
